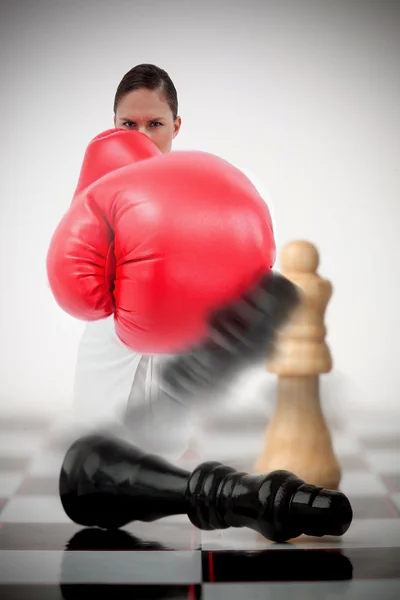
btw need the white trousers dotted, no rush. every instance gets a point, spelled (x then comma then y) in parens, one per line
(116, 388)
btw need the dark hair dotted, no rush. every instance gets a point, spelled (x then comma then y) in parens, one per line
(148, 77)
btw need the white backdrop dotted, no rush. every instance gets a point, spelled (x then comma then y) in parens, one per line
(304, 93)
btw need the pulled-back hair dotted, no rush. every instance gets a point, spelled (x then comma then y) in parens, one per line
(148, 77)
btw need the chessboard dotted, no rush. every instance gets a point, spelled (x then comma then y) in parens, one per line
(45, 556)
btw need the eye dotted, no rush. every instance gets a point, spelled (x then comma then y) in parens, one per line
(155, 124)
(128, 124)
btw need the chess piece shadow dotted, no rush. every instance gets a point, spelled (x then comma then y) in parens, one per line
(83, 559)
(100, 539)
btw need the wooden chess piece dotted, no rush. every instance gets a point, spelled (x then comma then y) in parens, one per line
(298, 438)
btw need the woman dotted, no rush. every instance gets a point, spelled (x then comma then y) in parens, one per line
(111, 381)
(146, 100)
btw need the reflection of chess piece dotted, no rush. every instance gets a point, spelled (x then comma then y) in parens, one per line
(85, 574)
(298, 438)
(292, 564)
(106, 482)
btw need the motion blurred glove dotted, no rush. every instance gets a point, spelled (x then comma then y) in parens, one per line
(240, 334)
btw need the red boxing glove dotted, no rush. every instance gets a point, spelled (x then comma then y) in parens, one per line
(111, 150)
(80, 260)
(161, 243)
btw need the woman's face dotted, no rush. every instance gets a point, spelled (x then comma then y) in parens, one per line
(148, 112)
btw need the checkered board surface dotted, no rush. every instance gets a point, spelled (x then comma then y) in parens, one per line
(45, 556)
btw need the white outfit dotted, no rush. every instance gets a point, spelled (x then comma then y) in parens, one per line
(111, 379)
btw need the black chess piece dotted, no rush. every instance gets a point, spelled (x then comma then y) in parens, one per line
(108, 483)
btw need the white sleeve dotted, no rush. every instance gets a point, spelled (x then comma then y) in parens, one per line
(104, 372)
(117, 387)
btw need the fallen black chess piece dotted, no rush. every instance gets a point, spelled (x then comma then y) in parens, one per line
(106, 482)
